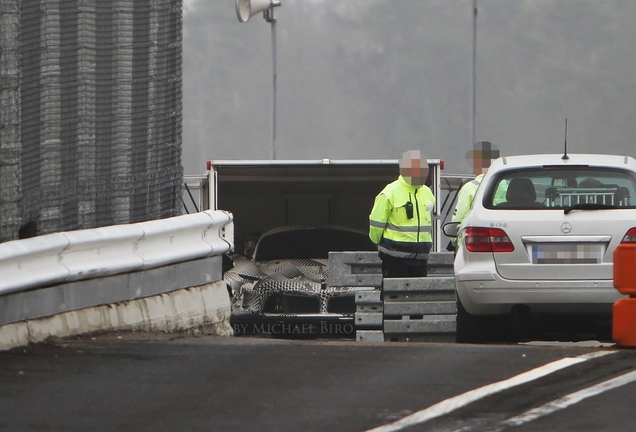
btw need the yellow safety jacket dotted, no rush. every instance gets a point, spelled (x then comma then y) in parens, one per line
(465, 199)
(467, 193)
(390, 226)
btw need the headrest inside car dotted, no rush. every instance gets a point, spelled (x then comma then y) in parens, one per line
(521, 191)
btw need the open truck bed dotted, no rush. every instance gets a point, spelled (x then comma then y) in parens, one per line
(263, 195)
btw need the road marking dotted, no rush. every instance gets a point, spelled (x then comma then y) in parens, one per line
(451, 404)
(568, 400)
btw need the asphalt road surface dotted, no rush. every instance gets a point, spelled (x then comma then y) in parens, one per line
(141, 382)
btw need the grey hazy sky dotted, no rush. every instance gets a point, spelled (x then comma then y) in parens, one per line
(355, 81)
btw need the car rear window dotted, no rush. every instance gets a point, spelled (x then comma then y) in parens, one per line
(560, 188)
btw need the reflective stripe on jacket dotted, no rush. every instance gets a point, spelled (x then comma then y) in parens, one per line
(390, 227)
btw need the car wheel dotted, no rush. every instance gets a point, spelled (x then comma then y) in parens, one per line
(481, 329)
(469, 327)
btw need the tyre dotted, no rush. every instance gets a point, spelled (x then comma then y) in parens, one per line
(482, 329)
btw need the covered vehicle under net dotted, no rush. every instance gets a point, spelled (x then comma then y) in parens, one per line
(284, 289)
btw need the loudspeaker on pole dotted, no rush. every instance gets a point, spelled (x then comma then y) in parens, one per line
(246, 8)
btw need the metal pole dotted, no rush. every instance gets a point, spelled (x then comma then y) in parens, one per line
(474, 82)
(273, 23)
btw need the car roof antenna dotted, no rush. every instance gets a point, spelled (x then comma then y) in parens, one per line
(565, 155)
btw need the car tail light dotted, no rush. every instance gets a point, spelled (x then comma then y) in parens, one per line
(630, 237)
(487, 240)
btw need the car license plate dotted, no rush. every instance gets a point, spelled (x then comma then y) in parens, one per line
(567, 253)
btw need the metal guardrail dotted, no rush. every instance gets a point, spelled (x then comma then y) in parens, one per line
(360, 269)
(421, 309)
(86, 254)
(412, 309)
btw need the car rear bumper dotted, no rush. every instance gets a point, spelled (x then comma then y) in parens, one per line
(485, 293)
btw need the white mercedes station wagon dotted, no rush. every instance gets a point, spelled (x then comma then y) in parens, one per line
(539, 242)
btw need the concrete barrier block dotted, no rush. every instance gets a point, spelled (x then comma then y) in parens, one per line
(155, 313)
(368, 301)
(433, 283)
(420, 308)
(129, 316)
(370, 308)
(428, 324)
(187, 308)
(151, 282)
(60, 325)
(217, 309)
(91, 320)
(88, 293)
(10, 308)
(204, 308)
(420, 337)
(369, 336)
(13, 335)
(371, 296)
(441, 259)
(198, 272)
(368, 319)
(70, 323)
(355, 269)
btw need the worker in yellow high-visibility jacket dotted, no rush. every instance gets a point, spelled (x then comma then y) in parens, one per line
(465, 199)
(481, 157)
(401, 219)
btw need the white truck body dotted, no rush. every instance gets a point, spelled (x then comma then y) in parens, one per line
(267, 194)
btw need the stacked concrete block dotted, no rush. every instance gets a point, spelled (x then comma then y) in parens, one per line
(359, 269)
(400, 309)
(363, 270)
(420, 309)
(369, 315)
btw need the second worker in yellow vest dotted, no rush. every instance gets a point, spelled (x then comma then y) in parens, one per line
(481, 157)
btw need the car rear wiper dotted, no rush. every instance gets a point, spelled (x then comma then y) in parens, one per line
(588, 206)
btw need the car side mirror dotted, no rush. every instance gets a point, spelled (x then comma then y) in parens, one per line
(451, 229)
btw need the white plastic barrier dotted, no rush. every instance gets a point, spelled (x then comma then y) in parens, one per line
(85, 254)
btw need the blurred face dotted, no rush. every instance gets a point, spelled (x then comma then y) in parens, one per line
(480, 164)
(482, 156)
(413, 168)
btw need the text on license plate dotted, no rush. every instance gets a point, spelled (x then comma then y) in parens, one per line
(567, 253)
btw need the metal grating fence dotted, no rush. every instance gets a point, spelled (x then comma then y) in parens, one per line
(91, 113)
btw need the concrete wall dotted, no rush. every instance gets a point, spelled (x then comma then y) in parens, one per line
(188, 295)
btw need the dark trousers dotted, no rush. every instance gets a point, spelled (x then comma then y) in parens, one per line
(398, 268)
